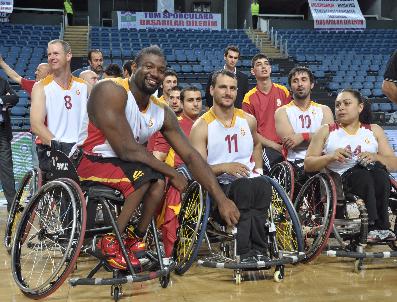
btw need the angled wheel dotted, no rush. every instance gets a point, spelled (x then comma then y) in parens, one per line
(393, 212)
(193, 219)
(48, 238)
(29, 185)
(316, 207)
(283, 215)
(284, 174)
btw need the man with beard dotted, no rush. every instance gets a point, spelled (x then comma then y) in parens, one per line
(120, 120)
(297, 121)
(58, 104)
(262, 102)
(95, 60)
(233, 151)
(170, 81)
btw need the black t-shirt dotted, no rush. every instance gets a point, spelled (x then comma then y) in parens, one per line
(391, 70)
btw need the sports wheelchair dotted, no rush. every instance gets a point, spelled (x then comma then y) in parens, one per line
(328, 215)
(284, 236)
(51, 233)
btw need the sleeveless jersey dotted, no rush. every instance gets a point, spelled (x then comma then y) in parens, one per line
(66, 108)
(362, 141)
(229, 144)
(303, 121)
(143, 124)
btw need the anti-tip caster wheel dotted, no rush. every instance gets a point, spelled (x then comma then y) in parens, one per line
(116, 292)
(358, 265)
(165, 280)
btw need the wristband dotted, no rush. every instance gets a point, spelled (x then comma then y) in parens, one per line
(259, 171)
(306, 136)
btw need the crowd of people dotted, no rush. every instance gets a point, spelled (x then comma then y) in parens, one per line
(137, 143)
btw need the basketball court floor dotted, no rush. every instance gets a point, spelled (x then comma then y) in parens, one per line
(327, 279)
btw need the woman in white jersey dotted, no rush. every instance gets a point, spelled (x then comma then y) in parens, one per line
(360, 153)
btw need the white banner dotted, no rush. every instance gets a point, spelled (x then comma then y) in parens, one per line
(125, 20)
(165, 5)
(337, 14)
(6, 6)
(178, 20)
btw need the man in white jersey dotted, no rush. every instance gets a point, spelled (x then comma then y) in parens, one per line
(227, 138)
(297, 121)
(121, 118)
(58, 104)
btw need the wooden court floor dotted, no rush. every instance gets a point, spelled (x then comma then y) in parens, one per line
(327, 279)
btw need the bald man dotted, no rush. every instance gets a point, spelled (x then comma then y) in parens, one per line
(89, 76)
(41, 72)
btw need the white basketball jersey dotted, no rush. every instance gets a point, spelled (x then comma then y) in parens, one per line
(303, 121)
(362, 141)
(229, 144)
(143, 125)
(65, 108)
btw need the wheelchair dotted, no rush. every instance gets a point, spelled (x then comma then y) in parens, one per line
(329, 215)
(29, 185)
(284, 236)
(51, 233)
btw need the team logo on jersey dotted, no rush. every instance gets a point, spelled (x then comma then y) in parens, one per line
(313, 112)
(137, 175)
(367, 141)
(278, 102)
(78, 92)
(151, 123)
(242, 131)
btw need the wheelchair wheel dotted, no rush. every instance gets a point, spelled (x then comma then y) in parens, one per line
(316, 207)
(193, 219)
(284, 174)
(48, 238)
(288, 228)
(29, 185)
(393, 212)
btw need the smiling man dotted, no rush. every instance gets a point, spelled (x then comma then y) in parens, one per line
(122, 115)
(58, 104)
(262, 102)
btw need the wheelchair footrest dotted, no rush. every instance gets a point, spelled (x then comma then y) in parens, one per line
(352, 254)
(145, 276)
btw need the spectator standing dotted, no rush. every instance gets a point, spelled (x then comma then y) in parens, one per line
(8, 98)
(231, 57)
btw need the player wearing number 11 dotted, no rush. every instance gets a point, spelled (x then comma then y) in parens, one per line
(298, 120)
(59, 103)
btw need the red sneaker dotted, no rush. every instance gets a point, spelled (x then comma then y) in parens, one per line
(110, 248)
(134, 244)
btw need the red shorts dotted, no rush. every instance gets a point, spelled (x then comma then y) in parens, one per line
(116, 173)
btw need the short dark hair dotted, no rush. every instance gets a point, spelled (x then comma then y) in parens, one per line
(154, 49)
(113, 70)
(257, 57)
(232, 48)
(92, 51)
(176, 88)
(127, 66)
(225, 72)
(300, 69)
(170, 72)
(365, 116)
(188, 88)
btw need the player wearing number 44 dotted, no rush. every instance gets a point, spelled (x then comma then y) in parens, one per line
(59, 103)
(297, 121)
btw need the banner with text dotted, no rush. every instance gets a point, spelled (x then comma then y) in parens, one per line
(126, 20)
(178, 20)
(337, 14)
(6, 8)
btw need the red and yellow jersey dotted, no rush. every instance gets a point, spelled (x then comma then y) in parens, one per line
(263, 106)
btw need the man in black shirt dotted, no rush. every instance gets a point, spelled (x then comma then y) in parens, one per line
(389, 86)
(231, 56)
(8, 98)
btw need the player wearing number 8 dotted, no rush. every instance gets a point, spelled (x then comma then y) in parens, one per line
(59, 103)
(298, 120)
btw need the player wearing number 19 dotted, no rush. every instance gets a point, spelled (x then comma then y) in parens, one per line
(297, 121)
(59, 103)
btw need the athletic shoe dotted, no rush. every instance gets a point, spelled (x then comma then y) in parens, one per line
(111, 249)
(134, 244)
